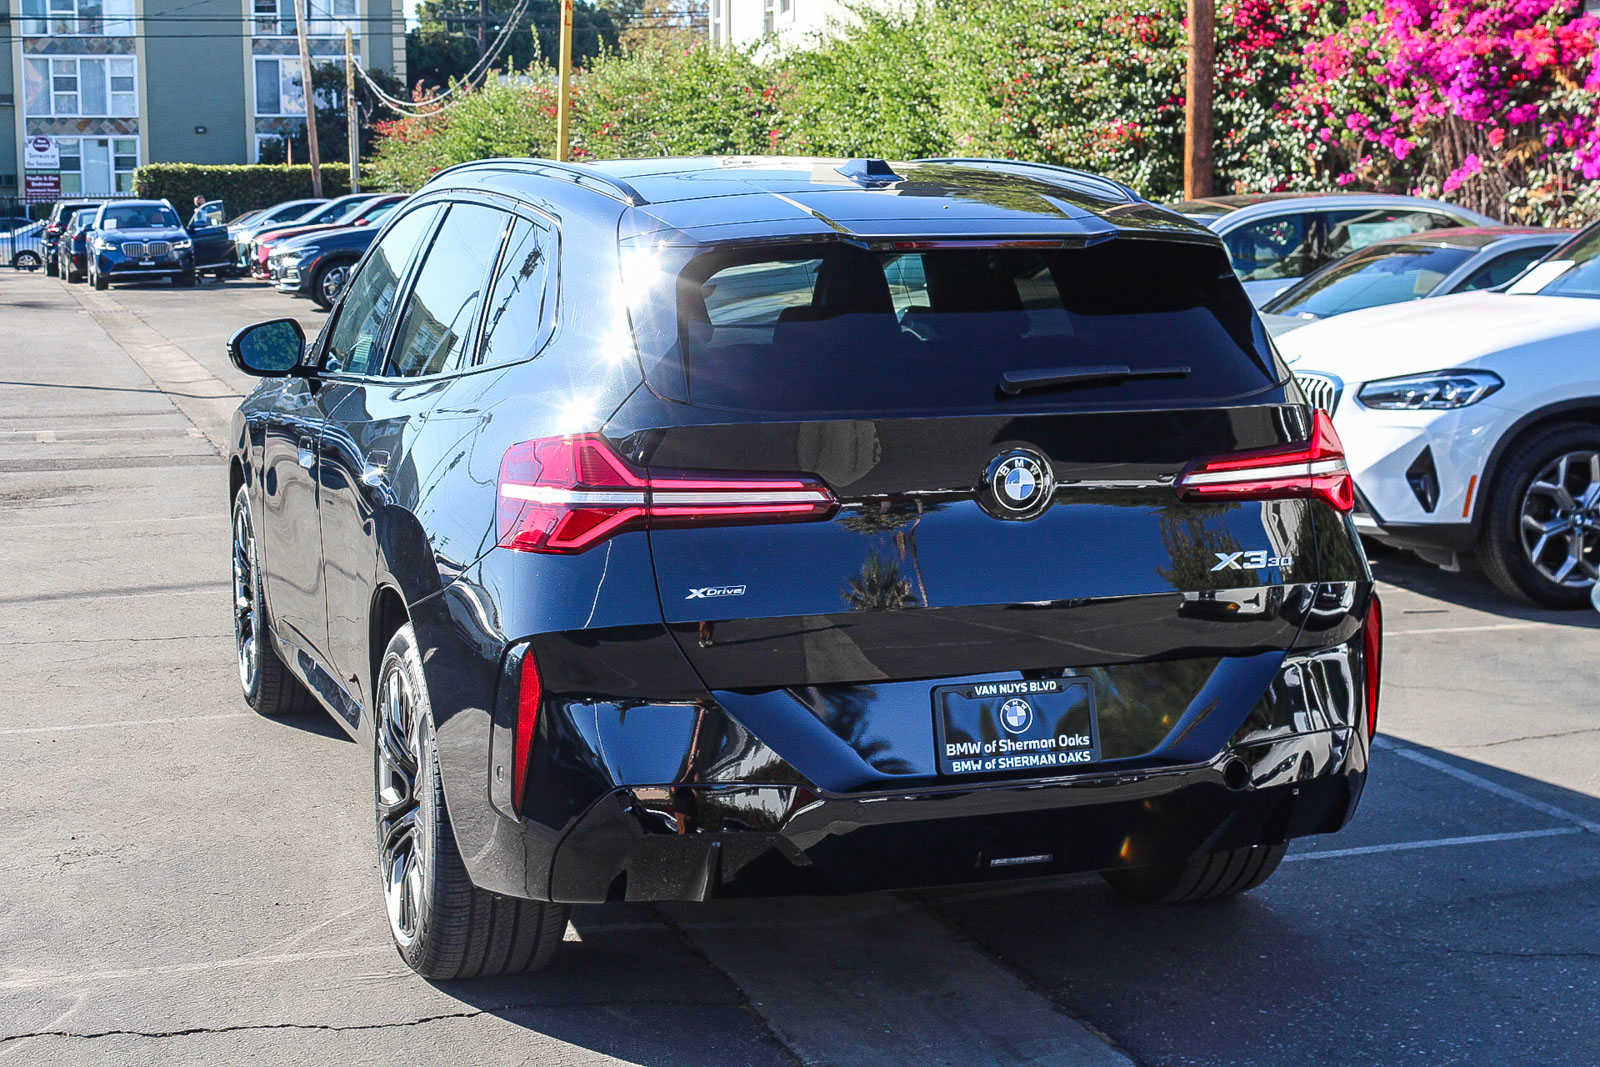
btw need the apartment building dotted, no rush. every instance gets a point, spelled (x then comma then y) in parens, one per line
(92, 89)
(789, 22)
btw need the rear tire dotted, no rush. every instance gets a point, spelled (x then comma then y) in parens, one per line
(443, 926)
(268, 685)
(1209, 876)
(50, 269)
(27, 261)
(1518, 505)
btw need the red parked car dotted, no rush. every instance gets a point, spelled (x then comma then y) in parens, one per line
(362, 210)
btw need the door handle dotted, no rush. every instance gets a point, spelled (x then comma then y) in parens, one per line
(308, 452)
(376, 469)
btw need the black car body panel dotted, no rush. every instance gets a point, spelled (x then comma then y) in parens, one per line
(694, 742)
(296, 263)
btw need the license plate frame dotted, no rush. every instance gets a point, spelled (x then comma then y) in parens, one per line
(1047, 738)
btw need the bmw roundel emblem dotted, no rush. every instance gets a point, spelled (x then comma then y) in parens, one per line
(1016, 715)
(1018, 484)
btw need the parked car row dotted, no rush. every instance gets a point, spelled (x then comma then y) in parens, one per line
(133, 240)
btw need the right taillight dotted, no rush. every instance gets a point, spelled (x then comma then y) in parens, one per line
(568, 494)
(1314, 468)
(1372, 657)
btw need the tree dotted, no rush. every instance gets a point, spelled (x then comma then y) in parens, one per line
(328, 80)
(444, 46)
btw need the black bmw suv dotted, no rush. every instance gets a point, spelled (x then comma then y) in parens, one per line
(678, 529)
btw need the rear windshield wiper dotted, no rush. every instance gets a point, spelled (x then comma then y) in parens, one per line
(1017, 382)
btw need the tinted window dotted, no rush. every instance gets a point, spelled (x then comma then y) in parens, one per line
(359, 323)
(1350, 231)
(829, 328)
(1279, 247)
(521, 310)
(1388, 275)
(443, 307)
(1502, 269)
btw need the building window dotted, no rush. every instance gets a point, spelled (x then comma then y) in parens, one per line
(81, 86)
(716, 22)
(69, 18)
(324, 18)
(768, 15)
(98, 165)
(278, 88)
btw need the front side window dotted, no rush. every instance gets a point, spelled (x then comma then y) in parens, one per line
(1388, 275)
(1571, 270)
(1278, 247)
(443, 307)
(521, 308)
(354, 346)
(831, 328)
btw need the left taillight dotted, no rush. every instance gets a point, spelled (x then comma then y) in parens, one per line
(568, 494)
(1314, 468)
(530, 695)
(1372, 657)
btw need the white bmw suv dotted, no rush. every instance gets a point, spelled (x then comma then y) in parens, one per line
(1472, 422)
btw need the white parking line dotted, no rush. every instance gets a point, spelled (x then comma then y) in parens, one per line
(1504, 792)
(24, 980)
(70, 727)
(1466, 629)
(1438, 842)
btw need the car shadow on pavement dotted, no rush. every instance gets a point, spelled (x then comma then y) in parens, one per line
(1394, 939)
(315, 720)
(1469, 588)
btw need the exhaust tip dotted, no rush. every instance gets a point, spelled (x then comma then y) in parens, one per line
(1235, 774)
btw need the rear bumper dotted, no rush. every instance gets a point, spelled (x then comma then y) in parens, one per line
(698, 842)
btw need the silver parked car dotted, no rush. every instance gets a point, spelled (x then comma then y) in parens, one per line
(1275, 239)
(1399, 269)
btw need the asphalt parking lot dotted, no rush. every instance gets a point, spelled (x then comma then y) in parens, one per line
(187, 882)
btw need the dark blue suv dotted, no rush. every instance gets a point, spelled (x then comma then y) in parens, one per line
(140, 240)
(679, 529)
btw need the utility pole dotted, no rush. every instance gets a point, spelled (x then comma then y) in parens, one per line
(483, 27)
(564, 94)
(310, 93)
(350, 111)
(1200, 87)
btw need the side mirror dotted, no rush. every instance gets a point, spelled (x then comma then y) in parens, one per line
(271, 349)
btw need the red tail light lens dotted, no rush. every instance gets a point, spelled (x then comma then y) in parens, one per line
(529, 697)
(567, 494)
(1314, 469)
(1372, 655)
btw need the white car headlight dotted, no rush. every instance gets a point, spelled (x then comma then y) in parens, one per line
(102, 245)
(181, 243)
(1435, 391)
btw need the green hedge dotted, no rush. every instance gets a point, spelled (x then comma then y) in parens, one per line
(244, 187)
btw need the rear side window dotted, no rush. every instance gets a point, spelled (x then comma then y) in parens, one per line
(442, 310)
(1502, 269)
(521, 308)
(1283, 246)
(355, 345)
(837, 328)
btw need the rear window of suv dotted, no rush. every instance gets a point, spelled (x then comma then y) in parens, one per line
(829, 328)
